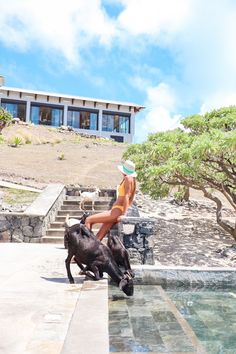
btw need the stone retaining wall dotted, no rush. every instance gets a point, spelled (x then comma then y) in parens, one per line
(31, 225)
(137, 233)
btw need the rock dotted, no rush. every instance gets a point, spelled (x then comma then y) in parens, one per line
(5, 236)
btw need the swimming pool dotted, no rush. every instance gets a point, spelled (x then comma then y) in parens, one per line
(212, 316)
(172, 321)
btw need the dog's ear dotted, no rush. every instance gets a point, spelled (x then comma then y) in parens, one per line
(123, 283)
(85, 231)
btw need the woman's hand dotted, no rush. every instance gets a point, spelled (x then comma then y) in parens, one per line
(119, 219)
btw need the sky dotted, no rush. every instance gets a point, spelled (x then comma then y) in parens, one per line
(175, 57)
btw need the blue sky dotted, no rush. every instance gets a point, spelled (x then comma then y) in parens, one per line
(175, 57)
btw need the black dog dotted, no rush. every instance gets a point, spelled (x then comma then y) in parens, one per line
(98, 258)
(120, 253)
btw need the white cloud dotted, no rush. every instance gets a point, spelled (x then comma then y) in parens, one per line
(218, 100)
(198, 35)
(154, 17)
(62, 26)
(161, 102)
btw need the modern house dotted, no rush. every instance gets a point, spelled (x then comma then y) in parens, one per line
(92, 116)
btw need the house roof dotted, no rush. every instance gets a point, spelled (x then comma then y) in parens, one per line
(53, 94)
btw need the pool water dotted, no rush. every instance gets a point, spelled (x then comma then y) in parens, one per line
(212, 316)
(171, 321)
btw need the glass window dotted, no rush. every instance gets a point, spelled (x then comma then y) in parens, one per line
(21, 111)
(46, 115)
(93, 121)
(124, 125)
(18, 110)
(107, 123)
(73, 119)
(56, 117)
(35, 115)
(115, 123)
(82, 119)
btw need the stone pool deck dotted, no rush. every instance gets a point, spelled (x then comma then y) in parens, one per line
(41, 313)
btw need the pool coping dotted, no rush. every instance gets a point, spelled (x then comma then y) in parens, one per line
(190, 277)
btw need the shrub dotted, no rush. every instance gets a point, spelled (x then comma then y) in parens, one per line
(61, 156)
(5, 118)
(77, 139)
(16, 141)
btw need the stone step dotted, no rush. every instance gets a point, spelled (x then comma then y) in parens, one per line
(77, 199)
(86, 207)
(59, 232)
(60, 224)
(73, 213)
(53, 239)
(56, 232)
(77, 202)
(62, 218)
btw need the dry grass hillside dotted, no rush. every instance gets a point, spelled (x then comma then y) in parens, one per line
(37, 155)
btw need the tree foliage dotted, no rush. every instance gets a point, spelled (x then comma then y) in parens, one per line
(200, 156)
(5, 118)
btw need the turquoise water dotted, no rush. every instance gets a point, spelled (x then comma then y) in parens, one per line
(146, 322)
(212, 316)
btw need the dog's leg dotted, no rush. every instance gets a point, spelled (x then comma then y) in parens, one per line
(79, 264)
(67, 262)
(96, 272)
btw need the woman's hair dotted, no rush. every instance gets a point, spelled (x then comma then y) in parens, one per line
(131, 198)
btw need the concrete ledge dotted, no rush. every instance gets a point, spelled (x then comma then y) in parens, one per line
(45, 200)
(88, 330)
(19, 186)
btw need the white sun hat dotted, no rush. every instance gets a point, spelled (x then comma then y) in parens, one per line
(128, 168)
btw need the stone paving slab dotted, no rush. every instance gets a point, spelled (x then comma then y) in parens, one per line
(36, 301)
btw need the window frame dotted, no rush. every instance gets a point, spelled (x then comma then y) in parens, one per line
(88, 111)
(114, 123)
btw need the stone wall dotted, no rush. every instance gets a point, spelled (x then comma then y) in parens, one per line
(31, 225)
(18, 227)
(137, 235)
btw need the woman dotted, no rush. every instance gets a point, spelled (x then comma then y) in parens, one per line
(125, 195)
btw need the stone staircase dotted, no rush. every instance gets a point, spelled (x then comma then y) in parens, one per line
(71, 206)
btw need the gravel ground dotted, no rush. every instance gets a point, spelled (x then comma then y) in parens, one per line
(187, 234)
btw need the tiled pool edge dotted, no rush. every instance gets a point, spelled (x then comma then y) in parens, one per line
(183, 323)
(191, 277)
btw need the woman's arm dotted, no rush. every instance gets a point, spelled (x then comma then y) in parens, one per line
(127, 186)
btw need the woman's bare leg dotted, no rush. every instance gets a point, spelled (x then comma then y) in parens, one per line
(104, 230)
(105, 217)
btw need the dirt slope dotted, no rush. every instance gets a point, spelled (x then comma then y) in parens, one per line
(47, 156)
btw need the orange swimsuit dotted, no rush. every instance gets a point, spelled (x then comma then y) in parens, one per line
(121, 193)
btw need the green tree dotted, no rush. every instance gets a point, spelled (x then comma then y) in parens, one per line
(201, 156)
(5, 118)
